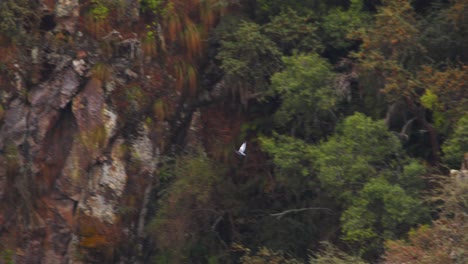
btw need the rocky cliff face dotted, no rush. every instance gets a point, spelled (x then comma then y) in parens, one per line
(86, 110)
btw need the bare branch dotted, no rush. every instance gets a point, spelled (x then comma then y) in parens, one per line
(389, 114)
(281, 214)
(213, 227)
(404, 130)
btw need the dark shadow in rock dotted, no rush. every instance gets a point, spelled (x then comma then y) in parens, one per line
(55, 149)
(47, 23)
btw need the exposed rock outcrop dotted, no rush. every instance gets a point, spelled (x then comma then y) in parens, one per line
(67, 12)
(66, 152)
(86, 109)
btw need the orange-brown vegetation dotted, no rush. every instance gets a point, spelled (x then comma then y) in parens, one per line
(185, 25)
(8, 55)
(445, 240)
(96, 27)
(97, 236)
(221, 129)
(160, 110)
(184, 218)
(451, 85)
(95, 18)
(49, 3)
(185, 75)
(458, 13)
(149, 45)
(100, 73)
(192, 39)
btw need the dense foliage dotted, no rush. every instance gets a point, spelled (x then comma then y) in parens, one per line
(348, 108)
(351, 105)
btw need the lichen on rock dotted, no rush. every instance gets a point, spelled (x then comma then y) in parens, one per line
(142, 150)
(111, 175)
(67, 11)
(97, 206)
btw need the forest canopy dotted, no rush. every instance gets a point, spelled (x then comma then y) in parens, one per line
(352, 107)
(354, 114)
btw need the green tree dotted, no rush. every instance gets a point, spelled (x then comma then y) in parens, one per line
(380, 211)
(390, 53)
(446, 239)
(444, 31)
(364, 166)
(339, 23)
(269, 8)
(248, 58)
(360, 172)
(263, 256)
(330, 254)
(15, 16)
(457, 144)
(445, 94)
(359, 150)
(292, 159)
(290, 32)
(410, 57)
(154, 6)
(307, 96)
(183, 225)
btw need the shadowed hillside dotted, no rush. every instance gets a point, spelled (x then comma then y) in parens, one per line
(120, 123)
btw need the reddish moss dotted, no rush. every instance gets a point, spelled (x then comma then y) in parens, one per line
(49, 3)
(95, 234)
(222, 125)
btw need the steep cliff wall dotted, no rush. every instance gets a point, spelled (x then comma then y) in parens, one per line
(92, 92)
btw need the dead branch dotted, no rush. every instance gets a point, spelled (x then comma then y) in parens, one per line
(404, 129)
(281, 214)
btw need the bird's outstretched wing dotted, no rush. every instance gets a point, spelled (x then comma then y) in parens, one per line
(242, 149)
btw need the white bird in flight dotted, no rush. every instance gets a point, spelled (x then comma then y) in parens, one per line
(242, 149)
